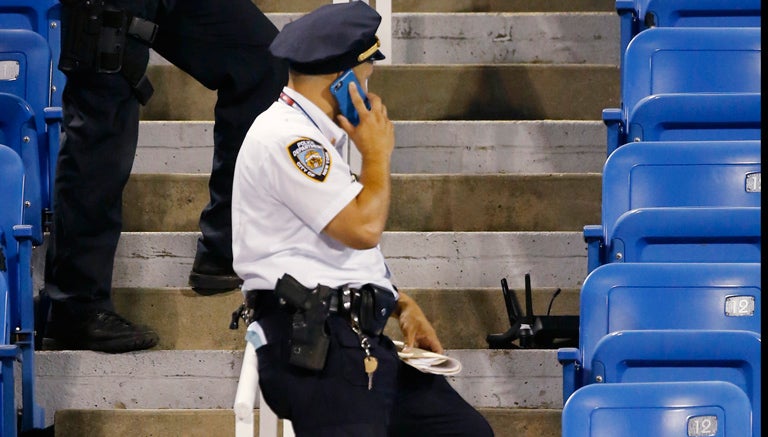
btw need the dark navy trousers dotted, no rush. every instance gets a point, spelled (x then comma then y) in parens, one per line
(222, 44)
(336, 402)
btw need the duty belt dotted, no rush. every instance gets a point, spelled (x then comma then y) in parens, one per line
(366, 309)
(370, 304)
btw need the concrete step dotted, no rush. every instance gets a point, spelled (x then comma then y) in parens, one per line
(457, 147)
(416, 259)
(187, 321)
(506, 422)
(498, 38)
(455, 5)
(457, 92)
(555, 202)
(208, 379)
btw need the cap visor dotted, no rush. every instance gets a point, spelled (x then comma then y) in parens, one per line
(378, 56)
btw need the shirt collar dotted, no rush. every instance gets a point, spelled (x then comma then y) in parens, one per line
(328, 128)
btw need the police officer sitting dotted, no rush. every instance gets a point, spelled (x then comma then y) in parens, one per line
(305, 241)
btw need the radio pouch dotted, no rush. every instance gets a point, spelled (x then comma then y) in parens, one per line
(375, 306)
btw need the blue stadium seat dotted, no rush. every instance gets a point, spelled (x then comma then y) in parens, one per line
(682, 355)
(683, 61)
(17, 131)
(687, 235)
(671, 409)
(42, 17)
(704, 116)
(656, 296)
(16, 305)
(29, 124)
(686, 201)
(639, 15)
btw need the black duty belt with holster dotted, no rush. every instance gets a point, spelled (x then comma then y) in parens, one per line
(367, 308)
(95, 36)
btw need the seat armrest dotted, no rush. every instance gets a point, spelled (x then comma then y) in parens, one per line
(613, 123)
(52, 114)
(569, 358)
(593, 235)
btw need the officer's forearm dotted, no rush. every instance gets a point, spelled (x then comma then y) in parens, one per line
(374, 199)
(361, 223)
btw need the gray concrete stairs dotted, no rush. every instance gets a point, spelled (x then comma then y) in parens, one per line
(497, 167)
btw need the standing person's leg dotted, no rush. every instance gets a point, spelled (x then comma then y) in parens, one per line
(427, 405)
(101, 116)
(224, 45)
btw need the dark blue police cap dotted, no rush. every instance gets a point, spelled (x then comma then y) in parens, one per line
(331, 38)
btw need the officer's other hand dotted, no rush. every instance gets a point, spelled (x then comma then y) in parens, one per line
(375, 134)
(417, 331)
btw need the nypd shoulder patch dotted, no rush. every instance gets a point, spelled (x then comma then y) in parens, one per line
(311, 158)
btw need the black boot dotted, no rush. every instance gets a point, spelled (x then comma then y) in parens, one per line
(98, 330)
(211, 276)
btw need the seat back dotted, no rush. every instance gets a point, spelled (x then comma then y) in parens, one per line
(639, 15)
(656, 296)
(681, 234)
(683, 355)
(17, 131)
(696, 117)
(696, 13)
(691, 60)
(44, 18)
(683, 60)
(693, 174)
(25, 61)
(673, 409)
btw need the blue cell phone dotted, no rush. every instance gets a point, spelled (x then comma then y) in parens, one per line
(340, 90)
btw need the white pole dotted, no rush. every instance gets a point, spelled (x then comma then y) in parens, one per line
(247, 387)
(384, 8)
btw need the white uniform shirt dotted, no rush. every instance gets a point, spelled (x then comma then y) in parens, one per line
(290, 182)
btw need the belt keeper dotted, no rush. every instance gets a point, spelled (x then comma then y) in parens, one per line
(143, 30)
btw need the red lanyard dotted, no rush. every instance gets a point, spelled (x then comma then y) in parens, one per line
(294, 104)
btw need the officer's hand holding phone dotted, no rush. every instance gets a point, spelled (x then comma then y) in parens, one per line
(374, 134)
(340, 91)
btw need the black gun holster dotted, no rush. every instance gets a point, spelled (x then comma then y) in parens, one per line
(94, 40)
(309, 340)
